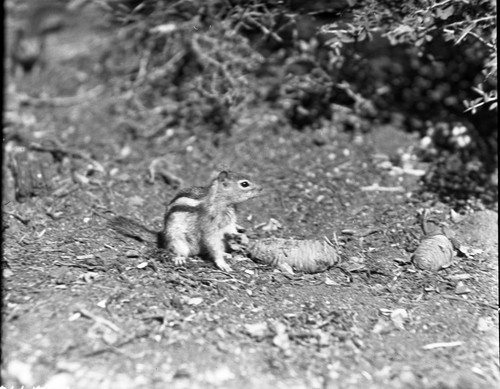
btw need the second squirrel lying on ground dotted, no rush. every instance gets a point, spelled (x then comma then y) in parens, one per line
(198, 219)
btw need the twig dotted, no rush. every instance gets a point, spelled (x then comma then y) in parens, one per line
(170, 178)
(23, 220)
(143, 65)
(376, 187)
(59, 148)
(100, 320)
(115, 348)
(264, 29)
(432, 346)
(469, 301)
(488, 45)
(423, 221)
(205, 279)
(476, 106)
(195, 47)
(437, 5)
(328, 241)
(219, 301)
(474, 22)
(166, 68)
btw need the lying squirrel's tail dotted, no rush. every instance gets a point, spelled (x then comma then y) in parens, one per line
(133, 229)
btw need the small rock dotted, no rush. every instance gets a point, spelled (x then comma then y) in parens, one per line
(485, 324)
(219, 375)
(399, 317)
(455, 217)
(272, 225)
(286, 268)
(195, 301)
(461, 288)
(132, 254)
(60, 381)
(21, 372)
(7, 273)
(257, 330)
(382, 326)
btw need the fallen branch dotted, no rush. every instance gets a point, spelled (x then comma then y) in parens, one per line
(115, 348)
(62, 101)
(58, 149)
(377, 188)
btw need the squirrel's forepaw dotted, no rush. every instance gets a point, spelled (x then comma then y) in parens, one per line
(222, 265)
(179, 261)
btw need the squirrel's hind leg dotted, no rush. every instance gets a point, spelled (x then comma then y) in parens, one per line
(180, 250)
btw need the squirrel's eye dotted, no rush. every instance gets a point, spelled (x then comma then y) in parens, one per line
(244, 184)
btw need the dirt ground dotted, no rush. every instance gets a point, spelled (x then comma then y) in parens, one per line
(84, 307)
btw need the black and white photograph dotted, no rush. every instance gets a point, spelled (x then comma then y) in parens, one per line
(247, 194)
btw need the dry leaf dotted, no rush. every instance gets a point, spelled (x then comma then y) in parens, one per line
(164, 29)
(455, 217)
(195, 301)
(382, 326)
(102, 303)
(136, 201)
(469, 252)
(89, 277)
(461, 288)
(281, 339)
(125, 152)
(132, 254)
(86, 256)
(109, 336)
(403, 260)
(257, 330)
(75, 316)
(21, 372)
(459, 277)
(60, 381)
(218, 376)
(81, 179)
(286, 268)
(355, 264)
(7, 273)
(485, 324)
(399, 317)
(272, 225)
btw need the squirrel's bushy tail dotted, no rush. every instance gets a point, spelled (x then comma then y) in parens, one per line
(133, 229)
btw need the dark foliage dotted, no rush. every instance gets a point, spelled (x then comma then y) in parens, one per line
(421, 59)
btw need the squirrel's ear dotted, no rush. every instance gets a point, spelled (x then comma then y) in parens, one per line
(223, 176)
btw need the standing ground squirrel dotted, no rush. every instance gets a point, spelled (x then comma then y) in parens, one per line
(199, 219)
